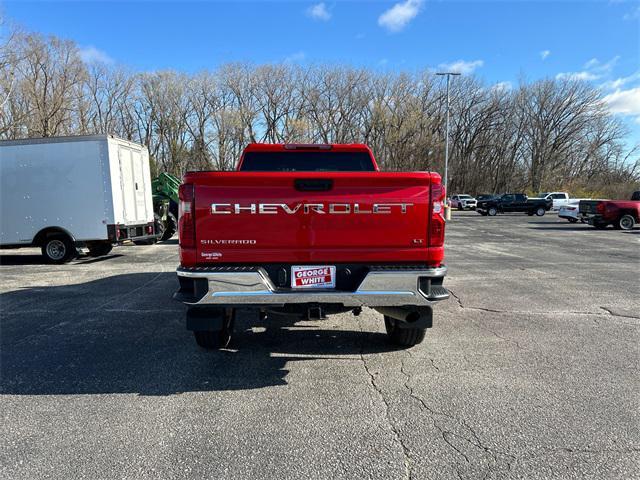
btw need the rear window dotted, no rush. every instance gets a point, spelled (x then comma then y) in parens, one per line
(307, 162)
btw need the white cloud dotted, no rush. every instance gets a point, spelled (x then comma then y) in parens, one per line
(461, 66)
(621, 82)
(626, 102)
(597, 66)
(581, 76)
(503, 86)
(319, 12)
(295, 57)
(594, 69)
(544, 54)
(398, 16)
(91, 54)
(592, 63)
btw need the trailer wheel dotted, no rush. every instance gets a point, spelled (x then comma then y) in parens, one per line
(59, 249)
(626, 222)
(214, 339)
(99, 249)
(160, 226)
(405, 337)
(170, 228)
(540, 211)
(492, 211)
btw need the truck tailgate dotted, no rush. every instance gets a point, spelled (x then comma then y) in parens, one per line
(294, 217)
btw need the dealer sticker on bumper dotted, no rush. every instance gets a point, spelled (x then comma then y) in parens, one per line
(316, 276)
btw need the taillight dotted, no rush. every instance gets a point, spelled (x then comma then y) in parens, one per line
(436, 223)
(600, 207)
(186, 215)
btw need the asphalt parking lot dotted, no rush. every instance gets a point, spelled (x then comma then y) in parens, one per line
(531, 371)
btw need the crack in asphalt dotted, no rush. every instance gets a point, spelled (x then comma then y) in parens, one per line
(408, 474)
(614, 314)
(484, 327)
(607, 311)
(448, 435)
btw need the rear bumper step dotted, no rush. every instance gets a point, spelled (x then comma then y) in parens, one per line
(381, 287)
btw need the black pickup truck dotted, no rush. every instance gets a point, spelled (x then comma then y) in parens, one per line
(514, 202)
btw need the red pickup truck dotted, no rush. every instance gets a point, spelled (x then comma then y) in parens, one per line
(622, 214)
(310, 230)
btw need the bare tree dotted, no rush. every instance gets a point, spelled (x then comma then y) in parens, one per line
(51, 73)
(547, 134)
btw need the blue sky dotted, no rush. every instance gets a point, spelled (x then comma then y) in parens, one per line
(501, 41)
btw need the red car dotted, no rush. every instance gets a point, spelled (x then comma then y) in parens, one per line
(310, 230)
(622, 214)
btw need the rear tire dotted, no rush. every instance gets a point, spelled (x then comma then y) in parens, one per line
(626, 222)
(405, 337)
(540, 211)
(58, 249)
(160, 226)
(492, 212)
(170, 227)
(215, 339)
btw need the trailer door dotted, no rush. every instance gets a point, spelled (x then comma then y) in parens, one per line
(126, 182)
(133, 185)
(137, 161)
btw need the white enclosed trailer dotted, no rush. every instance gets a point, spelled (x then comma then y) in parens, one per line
(66, 192)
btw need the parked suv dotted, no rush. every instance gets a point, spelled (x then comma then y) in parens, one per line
(462, 202)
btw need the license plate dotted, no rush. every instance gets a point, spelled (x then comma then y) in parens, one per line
(314, 276)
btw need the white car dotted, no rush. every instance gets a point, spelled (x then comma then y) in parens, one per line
(462, 202)
(571, 211)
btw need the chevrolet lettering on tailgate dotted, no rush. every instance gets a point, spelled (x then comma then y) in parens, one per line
(307, 208)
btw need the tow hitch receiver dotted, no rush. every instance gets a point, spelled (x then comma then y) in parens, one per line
(315, 313)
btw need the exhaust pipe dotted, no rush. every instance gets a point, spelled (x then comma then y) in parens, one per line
(412, 317)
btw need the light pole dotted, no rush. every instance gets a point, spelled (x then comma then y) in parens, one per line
(447, 208)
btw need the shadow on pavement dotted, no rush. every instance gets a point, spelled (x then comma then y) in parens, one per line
(172, 241)
(12, 259)
(124, 334)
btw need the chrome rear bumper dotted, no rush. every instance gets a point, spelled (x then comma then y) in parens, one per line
(252, 286)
